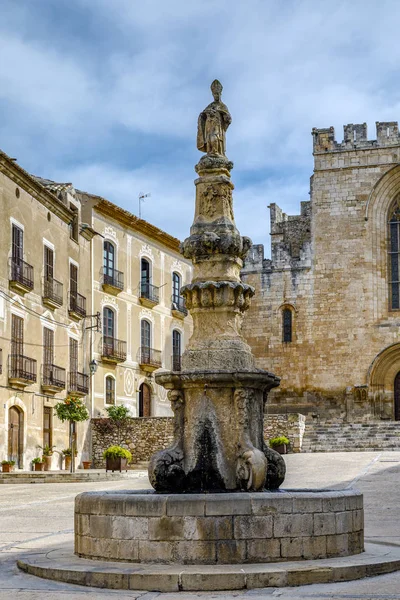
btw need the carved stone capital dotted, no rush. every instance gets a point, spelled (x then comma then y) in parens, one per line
(209, 243)
(215, 294)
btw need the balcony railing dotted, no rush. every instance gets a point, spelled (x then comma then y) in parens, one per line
(113, 349)
(150, 357)
(149, 293)
(178, 305)
(52, 291)
(53, 376)
(77, 304)
(176, 361)
(113, 278)
(21, 274)
(78, 383)
(21, 367)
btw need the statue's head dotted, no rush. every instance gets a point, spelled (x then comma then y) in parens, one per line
(216, 90)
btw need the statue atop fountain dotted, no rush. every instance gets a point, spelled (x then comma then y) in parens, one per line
(218, 398)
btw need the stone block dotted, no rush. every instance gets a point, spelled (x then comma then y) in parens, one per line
(231, 551)
(145, 506)
(307, 502)
(324, 524)
(82, 525)
(100, 526)
(349, 572)
(228, 504)
(186, 505)
(104, 548)
(358, 520)
(314, 547)
(114, 581)
(128, 550)
(292, 548)
(155, 552)
(130, 528)
(111, 504)
(344, 521)
(193, 552)
(337, 545)
(262, 580)
(218, 581)
(166, 528)
(356, 542)
(160, 582)
(263, 550)
(304, 576)
(336, 503)
(251, 527)
(208, 528)
(271, 503)
(293, 525)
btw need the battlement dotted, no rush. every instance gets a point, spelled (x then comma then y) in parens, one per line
(355, 137)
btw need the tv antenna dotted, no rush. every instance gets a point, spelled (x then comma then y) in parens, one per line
(141, 199)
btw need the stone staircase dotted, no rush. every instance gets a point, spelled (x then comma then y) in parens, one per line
(351, 437)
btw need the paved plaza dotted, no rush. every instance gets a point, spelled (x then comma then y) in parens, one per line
(32, 516)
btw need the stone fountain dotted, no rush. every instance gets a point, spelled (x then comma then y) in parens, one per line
(215, 518)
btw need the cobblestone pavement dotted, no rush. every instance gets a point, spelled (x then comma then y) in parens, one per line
(31, 515)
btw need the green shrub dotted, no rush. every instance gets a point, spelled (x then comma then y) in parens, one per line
(117, 452)
(37, 460)
(71, 409)
(47, 450)
(118, 413)
(8, 462)
(278, 441)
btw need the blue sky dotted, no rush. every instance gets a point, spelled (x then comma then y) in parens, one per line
(106, 93)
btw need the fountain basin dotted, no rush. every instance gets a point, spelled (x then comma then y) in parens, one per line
(218, 528)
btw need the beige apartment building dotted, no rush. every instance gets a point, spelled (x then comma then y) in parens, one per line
(44, 297)
(81, 280)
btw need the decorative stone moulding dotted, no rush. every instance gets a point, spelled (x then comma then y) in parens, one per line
(215, 294)
(208, 242)
(213, 162)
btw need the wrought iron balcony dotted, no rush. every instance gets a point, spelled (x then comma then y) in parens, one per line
(53, 378)
(176, 362)
(149, 359)
(113, 350)
(148, 294)
(21, 369)
(178, 307)
(52, 292)
(77, 305)
(21, 275)
(113, 280)
(78, 383)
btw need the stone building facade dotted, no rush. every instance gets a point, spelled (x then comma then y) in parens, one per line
(326, 313)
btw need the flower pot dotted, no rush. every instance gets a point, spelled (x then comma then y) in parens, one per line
(86, 464)
(7, 468)
(68, 463)
(39, 466)
(281, 448)
(47, 462)
(116, 464)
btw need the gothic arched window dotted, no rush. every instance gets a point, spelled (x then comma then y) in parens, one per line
(394, 251)
(286, 325)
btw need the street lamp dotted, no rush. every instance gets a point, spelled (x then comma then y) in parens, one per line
(93, 366)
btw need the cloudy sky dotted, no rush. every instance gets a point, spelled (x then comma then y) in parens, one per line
(106, 93)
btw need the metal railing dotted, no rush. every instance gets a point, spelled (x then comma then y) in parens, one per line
(113, 348)
(149, 356)
(21, 273)
(78, 382)
(151, 292)
(53, 376)
(178, 303)
(113, 278)
(77, 304)
(176, 362)
(21, 367)
(53, 290)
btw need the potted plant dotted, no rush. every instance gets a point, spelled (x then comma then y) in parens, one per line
(73, 410)
(38, 464)
(86, 464)
(117, 458)
(47, 453)
(279, 443)
(67, 454)
(7, 465)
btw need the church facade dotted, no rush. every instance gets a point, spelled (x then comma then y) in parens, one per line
(326, 314)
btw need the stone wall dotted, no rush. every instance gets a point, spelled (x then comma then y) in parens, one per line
(144, 436)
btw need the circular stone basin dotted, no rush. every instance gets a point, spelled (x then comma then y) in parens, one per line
(218, 528)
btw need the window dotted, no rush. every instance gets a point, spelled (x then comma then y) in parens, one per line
(108, 322)
(73, 355)
(17, 244)
(17, 336)
(110, 390)
(73, 279)
(47, 426)
(176, 350)
(73, 226)
(176, 288)
(145, 334)
(48, 347)
(394, 251)
(48, 263)
(145, 277)
(108, 259)
(287, 325)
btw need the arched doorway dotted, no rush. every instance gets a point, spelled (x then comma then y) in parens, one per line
(15, 435)
(144, 400)
(397, 397)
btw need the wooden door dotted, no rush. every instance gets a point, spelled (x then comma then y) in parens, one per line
(15, 435)
(47, 426)
(397, 397)
(144, 401)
